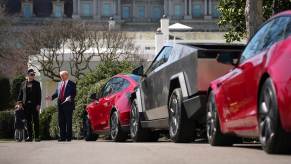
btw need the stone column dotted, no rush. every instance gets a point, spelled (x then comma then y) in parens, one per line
(210, 7)
(118, 9)
(190, 8)
(206, 10)
(75, 9)
(166, 7)
(170, 11)
(186, 8)
(159, 41)
(148, 11)
(133, 10)
(99, 9)
(165, 22)
(94, 9)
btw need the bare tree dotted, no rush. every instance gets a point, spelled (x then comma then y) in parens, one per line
(114, 45)
(80, 42)
(53, 46)
(45, 46)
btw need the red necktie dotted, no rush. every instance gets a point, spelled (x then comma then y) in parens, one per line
(62, 96)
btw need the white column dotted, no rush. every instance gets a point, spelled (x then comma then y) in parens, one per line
(159, 42)
(187, 11)
(99, 9)
(133, 10)
(190, 8)
(185, 8)
(148, 10)
(76, 13)
(210, 7)
(166, 7)
(206, 9)
(118, 8)
(94, 9)
(170, 11)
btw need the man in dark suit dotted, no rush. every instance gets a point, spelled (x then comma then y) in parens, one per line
(30, 96)
(65, 92)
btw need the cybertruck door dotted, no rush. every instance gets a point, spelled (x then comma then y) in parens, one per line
(153, 86)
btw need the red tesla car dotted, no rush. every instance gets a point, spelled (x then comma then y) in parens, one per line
(254, 98)
(109, 113)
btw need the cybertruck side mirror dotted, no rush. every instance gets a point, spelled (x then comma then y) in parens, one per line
(139, 71)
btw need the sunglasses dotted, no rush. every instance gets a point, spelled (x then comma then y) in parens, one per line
(31, 74)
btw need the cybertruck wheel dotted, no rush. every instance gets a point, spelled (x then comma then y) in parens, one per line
(214, 134)
(273, 138)
(137, 133)
(181, 129)
(116, 132)
(89, 135)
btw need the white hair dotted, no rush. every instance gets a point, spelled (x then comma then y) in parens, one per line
(64, 73)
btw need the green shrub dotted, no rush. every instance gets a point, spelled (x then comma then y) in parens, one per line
(6, 124)
(16, 84)
(44, 122)
(5, 96)
(54, 128)
(92, 83)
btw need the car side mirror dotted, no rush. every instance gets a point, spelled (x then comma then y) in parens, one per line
(139, 71)
(229, 59)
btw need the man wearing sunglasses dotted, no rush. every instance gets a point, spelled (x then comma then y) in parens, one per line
(30, 96)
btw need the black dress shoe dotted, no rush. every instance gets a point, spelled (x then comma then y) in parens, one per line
(28, 139)
(69, 140)
(61, 140)
(37, 140)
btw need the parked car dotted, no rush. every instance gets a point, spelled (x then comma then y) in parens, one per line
(253, 99)
(109, 111)
(172, 94)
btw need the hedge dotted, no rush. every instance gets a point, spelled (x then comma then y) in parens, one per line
(45, 122)
(5, 95)
(6, 124)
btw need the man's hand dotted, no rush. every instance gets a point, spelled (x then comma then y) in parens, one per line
(49, 98)
(38, 108)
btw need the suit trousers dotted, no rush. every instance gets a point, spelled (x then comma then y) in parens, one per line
(32, 118)
(65, 114)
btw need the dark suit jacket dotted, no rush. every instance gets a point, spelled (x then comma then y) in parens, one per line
(70, 90)
(36, 93)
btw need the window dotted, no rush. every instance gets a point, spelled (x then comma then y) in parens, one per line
(288, 29)
(257, 43)
(178, 10)
(197, 9)
(125, 84)
(156, 12)
(276, 32)
(107, 9)
(125, 12)
(162, 58)
(58, 10)
(27, 10)
(135, 78)
(141, 11)
(86, 9)
(118, 84)
(214, 11)
(107, 89)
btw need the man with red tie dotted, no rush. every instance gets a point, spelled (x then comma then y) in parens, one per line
(65, 92)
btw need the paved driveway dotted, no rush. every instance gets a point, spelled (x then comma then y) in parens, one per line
(105, 152)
